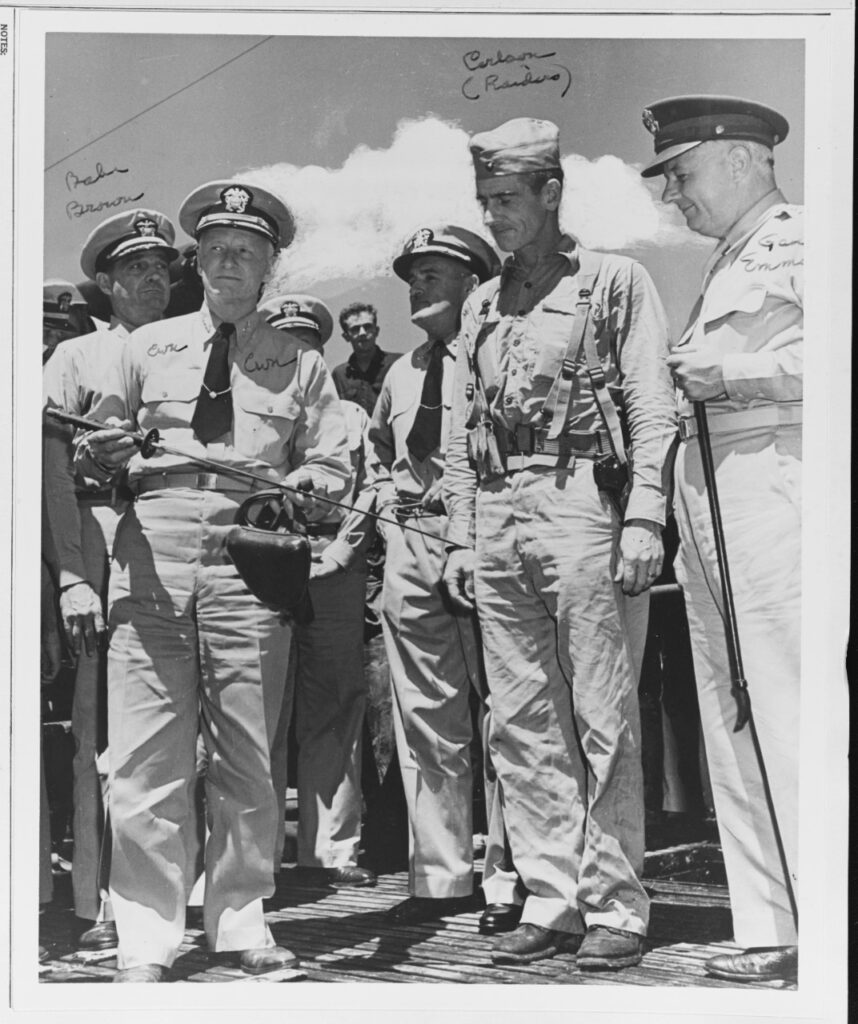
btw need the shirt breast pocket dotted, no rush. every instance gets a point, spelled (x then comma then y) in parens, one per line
(735, 303)
(265, 424)
(169, 400)
(403, 407)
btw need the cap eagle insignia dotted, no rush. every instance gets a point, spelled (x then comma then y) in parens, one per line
(649, 121)
(146, 227)
(236, 200)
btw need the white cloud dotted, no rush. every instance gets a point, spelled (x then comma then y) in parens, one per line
(353, 219)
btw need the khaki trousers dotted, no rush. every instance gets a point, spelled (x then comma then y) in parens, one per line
(563, 652)
(190, 650)
(434, 656)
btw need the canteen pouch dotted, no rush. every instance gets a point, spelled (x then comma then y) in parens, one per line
(273, 561)
(614, 480)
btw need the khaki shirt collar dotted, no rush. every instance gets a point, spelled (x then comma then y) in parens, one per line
(244, 327)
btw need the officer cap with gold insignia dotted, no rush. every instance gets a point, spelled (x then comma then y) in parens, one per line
(232, 204)
(680, 123)
(287, 311)
(58, 298)
(516, 147)
(126, 233)
(453, 242)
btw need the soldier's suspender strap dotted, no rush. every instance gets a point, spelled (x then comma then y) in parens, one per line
(556, 407)
(610, 416)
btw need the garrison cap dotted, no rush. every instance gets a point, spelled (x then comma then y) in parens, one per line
(126, 233)
(453, 242)
(232, 204)
(285, 311)
(516, 147)
(683, 122)
(58, 297)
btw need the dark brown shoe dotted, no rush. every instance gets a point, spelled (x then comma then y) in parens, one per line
(349, 876)
(421, 908)
(499, 917)
(531, 942)
(100, 936)
(143, 973)
(772, 963)
(609, 949)
(268, 958)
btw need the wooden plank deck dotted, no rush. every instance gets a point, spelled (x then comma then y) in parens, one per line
(343, 936)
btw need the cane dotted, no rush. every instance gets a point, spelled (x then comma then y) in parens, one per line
(739, 685)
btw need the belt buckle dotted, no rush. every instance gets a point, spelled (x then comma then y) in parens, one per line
(207, 481)
(687, 428)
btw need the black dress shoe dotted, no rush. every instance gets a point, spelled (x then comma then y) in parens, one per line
(772, 963)
(531, 942)
(609, 949)
(500, 917)
(422, 908)
(100, 936)
(350, 875)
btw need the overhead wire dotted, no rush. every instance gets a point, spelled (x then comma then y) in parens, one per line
(159, 103)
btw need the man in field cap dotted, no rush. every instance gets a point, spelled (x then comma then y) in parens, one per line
(433, 653)
(191, 649)
(741, 354)
(127, 257)
(554, 532)
(327, 655)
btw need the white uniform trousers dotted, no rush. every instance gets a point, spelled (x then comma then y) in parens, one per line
(563, 652)
(434, 657)
(759, 487)
(191, 649)
(330, 704)
(98, 526)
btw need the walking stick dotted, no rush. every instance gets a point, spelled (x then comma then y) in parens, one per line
(739, 685)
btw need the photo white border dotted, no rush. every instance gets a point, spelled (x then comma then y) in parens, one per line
(824, 796)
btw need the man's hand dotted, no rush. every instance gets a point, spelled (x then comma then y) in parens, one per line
(431, 500)
(302, 480)
(641, 556)
(324, 566)
(459, 578)
(698, 373)
(80, 609)
(112, 448)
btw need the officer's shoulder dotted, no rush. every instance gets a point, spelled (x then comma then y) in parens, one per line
(162, 328)
(788, 219)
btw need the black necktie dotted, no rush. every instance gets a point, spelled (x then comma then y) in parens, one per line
(213, 414)
(425, 434)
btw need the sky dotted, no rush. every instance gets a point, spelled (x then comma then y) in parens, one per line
(366, 140)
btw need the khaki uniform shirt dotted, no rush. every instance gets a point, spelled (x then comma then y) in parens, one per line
(72, 381)
(527, 334)
(751, 314)
(286, 413)
(400, 476)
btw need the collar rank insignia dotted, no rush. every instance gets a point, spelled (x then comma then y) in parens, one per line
(649, 121)
(145, 227)
(419, 239)
(64, 302)
(290, 309)
(236, 199)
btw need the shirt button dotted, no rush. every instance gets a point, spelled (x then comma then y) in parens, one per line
(528, 284)
(517, 341)
(271, 408)
(163, 394)
(513, 372)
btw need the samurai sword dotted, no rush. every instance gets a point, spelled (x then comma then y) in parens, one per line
(151, 444)
(739, 684)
